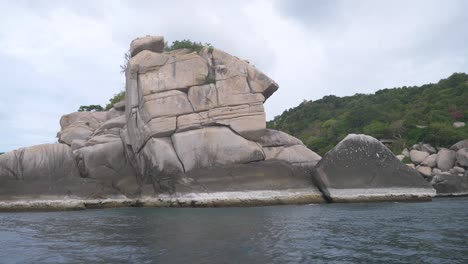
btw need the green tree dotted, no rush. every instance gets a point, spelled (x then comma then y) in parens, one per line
(90, 108)
(117, 98)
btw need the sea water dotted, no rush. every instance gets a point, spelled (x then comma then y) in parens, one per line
(431, 232)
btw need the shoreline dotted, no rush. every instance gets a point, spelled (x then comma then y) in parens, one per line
(219, 199)
(194, 200)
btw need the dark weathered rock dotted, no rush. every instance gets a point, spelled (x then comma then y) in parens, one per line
(450, 185)
(459, 145)
(360, 168)
(462, 157)
(45, 170)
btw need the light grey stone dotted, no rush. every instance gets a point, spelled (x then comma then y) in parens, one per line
(260, 83)
(107, 163)
(462, 157)
(185, 71)
(146, 61)
(214, 146)
(417, 156)
(203, 97)
(425, 171)
(119, 106)
(236, 91)
(459, 145)
(151, 43)
(457, 170)
(40, 162)
(162, 126)
(400, 157)
(428, 148)
(271, 138)
(430, 161)
(80, 125)
(458, 124)
(446, 159)
(166, 104)
(159, 163)
(405, 152)
(297, 154)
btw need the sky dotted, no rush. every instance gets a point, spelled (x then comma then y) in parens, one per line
(58, 55)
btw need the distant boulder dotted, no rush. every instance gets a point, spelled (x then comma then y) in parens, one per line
(418, 156)
(360, 168)
(450, 185)
(459, 145)
(446, 159)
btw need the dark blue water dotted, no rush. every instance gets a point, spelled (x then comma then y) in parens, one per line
(435, 232)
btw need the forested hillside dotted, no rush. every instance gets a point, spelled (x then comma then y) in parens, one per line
(408, 115)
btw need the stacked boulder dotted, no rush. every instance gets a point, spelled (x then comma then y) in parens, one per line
(446, 169)
(191, 115)
(192, 122)
(361, 169)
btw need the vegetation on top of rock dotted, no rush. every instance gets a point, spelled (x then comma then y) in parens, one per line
(188, 44)
(96, 108)
(90, 108)
(117, 98)
(405, 116)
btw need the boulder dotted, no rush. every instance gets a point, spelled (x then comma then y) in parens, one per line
(425, 171)
(400, 157)
(119, 106)
(430, 161)
(296, 155)
(253, 176)
(80, 125)
(203, 97)
(417, 156)
(241, 118)
(166, 104)
(457, 170)
(159, 164)
(428, 148)
(406, 153)
(181, 73)
(271, 138)
(214, 146)
(106, 163)
(459, 145)
(360, 168)
(458, 124)
(151, 43)
(446, 159)
(462, 157)
(41, 171)
(450, 185)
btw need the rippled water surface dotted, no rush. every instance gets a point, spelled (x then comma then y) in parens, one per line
(435, 232)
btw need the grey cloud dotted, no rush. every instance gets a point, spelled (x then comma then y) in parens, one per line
(58, 55)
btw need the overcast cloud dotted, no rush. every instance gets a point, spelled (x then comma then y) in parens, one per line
(58, 55)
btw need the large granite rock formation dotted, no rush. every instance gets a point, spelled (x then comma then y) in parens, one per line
(192, 124)
(360, 168)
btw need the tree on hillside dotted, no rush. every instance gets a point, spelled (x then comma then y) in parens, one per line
(408, 115)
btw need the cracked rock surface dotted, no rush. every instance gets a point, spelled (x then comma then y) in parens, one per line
(191, 122)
